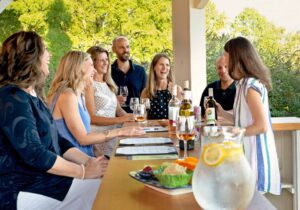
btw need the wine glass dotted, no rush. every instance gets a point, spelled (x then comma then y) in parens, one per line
(197, 114)
(133, 102)
(185, 130)
(146, 101)
(123, 91)
(139, 112)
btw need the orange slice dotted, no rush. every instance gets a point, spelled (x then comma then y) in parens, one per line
(191, 159)
(189, 162)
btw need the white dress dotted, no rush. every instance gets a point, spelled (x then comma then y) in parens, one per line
(260, 150)
(105, 106)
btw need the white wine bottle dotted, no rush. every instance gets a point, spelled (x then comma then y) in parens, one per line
(185, 132)
(210, 109)
(173, 107)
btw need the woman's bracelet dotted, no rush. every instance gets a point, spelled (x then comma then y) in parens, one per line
(83, 171)
(87, 161)
(107, 132)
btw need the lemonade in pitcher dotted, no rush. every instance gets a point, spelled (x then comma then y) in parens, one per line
(223, 178)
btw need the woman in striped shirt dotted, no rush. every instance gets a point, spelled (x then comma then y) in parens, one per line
(251, 111)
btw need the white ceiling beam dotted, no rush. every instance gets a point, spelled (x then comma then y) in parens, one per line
(199, 4)
(4, 4)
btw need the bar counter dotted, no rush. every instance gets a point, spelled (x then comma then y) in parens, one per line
(119, 191)
(287, 139)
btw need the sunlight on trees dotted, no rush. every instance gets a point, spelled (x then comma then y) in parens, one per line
(68, 24)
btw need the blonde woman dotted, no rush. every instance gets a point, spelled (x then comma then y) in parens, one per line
(101, 101)
(66, 101)
(160, 81)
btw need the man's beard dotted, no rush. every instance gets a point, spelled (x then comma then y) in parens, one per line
(124, 57)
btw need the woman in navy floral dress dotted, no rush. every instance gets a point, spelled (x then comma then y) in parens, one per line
(160, 81)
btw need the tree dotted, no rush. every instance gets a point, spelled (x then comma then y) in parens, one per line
(280, 52)
(216, 36)
(77, 25)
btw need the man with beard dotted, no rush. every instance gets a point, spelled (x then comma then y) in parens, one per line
(125, 73)
(223, 89)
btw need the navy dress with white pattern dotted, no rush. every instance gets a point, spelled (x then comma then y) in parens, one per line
(159, 105)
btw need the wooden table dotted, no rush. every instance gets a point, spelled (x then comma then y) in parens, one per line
(119, 191)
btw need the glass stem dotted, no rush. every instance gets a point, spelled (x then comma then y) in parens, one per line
(185, 149)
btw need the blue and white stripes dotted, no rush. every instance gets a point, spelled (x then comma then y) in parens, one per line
(260, 150)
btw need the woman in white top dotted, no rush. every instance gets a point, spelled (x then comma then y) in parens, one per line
(101, 101)
(251, 111)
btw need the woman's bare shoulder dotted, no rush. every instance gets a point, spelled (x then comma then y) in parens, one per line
(67, 96)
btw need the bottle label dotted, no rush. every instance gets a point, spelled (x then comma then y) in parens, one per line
(210, 116)
(173, 113)
(186, 123)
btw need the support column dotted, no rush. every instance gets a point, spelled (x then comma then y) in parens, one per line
(189, 45)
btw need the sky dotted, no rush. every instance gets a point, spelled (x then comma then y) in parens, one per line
(285, 13)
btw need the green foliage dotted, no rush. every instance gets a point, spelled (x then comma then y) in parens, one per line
(279, 51)
(215, 39)
(77, 25)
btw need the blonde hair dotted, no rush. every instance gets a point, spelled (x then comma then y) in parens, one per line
(69, 73)
(151, 83)
(94, 52)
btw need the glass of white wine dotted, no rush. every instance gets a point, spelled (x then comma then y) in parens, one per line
(185, 130)
(139, 112)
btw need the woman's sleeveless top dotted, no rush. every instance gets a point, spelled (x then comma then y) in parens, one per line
(159, 105)
(260, 149)
(65, 132)
(105, 100)
(105, 106)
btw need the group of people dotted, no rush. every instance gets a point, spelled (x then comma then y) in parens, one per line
(49, 149)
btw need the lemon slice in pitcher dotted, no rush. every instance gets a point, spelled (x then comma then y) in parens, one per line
(213, 154)
(233, 150)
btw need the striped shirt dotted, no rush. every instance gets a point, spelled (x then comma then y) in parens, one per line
(260, 150)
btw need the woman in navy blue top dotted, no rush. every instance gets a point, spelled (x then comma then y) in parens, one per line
(34, 158)
(160, 81)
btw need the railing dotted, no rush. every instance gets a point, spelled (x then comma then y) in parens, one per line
(287, 139)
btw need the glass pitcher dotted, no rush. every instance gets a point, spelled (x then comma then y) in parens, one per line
(223, 178)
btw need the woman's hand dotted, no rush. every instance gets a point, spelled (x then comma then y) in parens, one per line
(224, 117)
(127, 118)
(219, 109)
(121, 99)
(95, 167)
(131, 131)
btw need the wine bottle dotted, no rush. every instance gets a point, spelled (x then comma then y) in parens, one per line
(186, 90)
(210, 109)
(186, 111)
(173, 107)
